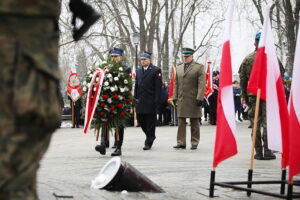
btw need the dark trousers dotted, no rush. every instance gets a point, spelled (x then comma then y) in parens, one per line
(147, 122)
(119, 136)
(76, 116)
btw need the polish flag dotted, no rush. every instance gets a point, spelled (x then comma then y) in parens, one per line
(208, 86)
(225, 143)
(294, 111)
(265, 75)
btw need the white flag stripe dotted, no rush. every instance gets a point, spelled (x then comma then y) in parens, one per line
(228, 107)
(228, 22)
(273, 74)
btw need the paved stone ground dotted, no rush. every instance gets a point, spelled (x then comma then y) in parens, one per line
(71, 163)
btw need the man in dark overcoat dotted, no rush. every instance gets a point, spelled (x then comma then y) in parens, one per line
(147, 93)
(188, 95)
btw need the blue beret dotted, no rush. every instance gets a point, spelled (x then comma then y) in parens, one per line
(116, 51)
(145, 55)
(257, 36)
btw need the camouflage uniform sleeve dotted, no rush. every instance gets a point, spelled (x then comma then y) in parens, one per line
(243, 81)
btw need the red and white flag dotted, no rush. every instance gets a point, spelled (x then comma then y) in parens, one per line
(225, 143)
(208, 86)
(294, 111)
(172, 84)
(266, 75)
(93, 97)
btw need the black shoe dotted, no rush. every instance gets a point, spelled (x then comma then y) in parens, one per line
(258, 157)
(179, 146)
(146, 147)
(101, 149)
(77, 126)
(249, 126)
(269, 157)
(117, 152)
(193, 147)
(240, 120)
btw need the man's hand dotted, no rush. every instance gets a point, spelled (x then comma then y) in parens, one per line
(199, 103)
(175, 102)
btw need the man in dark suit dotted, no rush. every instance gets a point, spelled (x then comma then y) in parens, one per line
(147, 92)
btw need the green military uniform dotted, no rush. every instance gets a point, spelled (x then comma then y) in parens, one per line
(29, 79)
(189, 87)
(250, 99)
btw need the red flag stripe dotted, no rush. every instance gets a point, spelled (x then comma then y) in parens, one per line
(225, 143)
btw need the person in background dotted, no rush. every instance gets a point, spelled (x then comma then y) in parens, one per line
(237, 99)
(163, 118)
(213, 99)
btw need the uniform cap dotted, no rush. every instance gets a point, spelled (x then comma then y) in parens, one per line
(116, 52)
(187, 51)
(146, 54)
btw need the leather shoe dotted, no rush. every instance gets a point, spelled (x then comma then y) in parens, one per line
(117, 152)
(178, 146)
(258, 157)
(269, 157)
(101, 149)
(146, 147)
(194, 147)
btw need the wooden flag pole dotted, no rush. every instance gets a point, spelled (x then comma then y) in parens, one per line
(134, 117)
(250, 172)
(97, 134)
(117, 134)
(174, 115)
(73, 118)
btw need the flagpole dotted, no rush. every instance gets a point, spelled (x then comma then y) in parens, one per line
(97, 135)
(250, 172)
(212, 182)
(73, 119)
(290, 189)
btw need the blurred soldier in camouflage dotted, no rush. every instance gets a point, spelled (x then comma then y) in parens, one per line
(29, 101)
(29, 82)
(250, 100)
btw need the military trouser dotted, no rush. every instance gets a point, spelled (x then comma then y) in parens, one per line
(29, 111)
(261, 142)
(195, 131)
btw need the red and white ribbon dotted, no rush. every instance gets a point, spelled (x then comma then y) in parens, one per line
(92, 97)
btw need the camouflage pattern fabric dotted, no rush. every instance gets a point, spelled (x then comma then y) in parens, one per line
(29, 112)
(261, 142)
(245, 72)
(30, 8)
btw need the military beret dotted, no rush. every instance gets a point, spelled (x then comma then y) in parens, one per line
(116, 52)
(257, 36)
(146, 54)
(187, 51)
